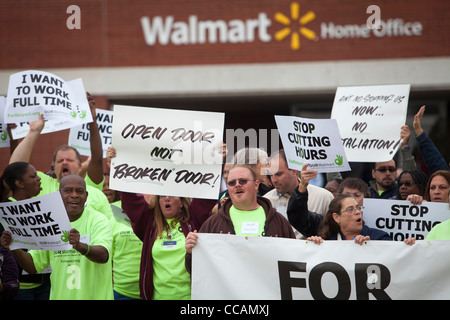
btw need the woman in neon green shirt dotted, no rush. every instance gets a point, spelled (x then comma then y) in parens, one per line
(23, 182)
(163, 227)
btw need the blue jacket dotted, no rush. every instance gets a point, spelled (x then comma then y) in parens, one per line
(308, 223)
(430, 154)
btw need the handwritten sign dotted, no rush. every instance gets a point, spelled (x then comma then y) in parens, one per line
(39, 223)
(30, 93)
(313, 141)
(401, 219)
(369, 120)
(79, 135)
(167, 152)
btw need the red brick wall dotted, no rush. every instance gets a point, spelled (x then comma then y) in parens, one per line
(36, 35)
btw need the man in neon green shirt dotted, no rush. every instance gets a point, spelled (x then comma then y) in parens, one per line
(67, 161)
(85, 272)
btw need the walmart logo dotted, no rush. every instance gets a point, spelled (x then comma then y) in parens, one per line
(166, 30)
(295, 26)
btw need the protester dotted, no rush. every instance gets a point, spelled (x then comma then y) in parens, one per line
(440, 231)
(83, 273)
(355, 187)
(257, 160)
(438, 186)
(411, 182)
(432, 157)
(285, 180)
(162, 227)
(343, 221)
(242, 210)
(126, 249)
(333, 186)
(384, 185)
(9, 271)
(21, 180)
(67, 160)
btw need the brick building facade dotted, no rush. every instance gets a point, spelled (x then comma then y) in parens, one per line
(249, 58)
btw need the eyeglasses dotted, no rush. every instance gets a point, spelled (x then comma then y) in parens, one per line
(352, 210)
(242, 182)
(406, 183)
(384, 169)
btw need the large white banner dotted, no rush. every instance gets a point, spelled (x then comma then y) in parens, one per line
(313, 141)
(39, 223)
(370, 119)
(230, 267)
(402, 219)
(167, 152)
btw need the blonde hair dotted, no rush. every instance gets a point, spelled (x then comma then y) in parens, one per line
(161, 224)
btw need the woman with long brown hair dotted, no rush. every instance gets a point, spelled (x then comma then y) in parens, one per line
(162, 226)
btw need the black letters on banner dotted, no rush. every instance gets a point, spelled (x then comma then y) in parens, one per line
(370, 278)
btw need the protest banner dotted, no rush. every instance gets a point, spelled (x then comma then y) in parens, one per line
(230, 267)
(31, 92)
(167, 152)
(4, 137)
(39, 223)
(370, 119)
(79, 135)
(402, 219)
(313, 141)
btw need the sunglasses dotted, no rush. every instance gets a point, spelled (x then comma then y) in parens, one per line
(242, 182)
(406, 183)
(384, 169)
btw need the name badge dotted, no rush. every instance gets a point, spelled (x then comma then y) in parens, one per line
(168, 245)
(250, 227)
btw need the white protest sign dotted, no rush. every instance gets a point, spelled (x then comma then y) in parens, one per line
(79, 135)
(230, 267)
(4, 137)
(313, 141)
(63, 104)
(401, 219)
(167, 152)
(39, 223)
(370, 120)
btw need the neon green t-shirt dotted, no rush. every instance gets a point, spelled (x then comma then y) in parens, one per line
(127, 249)
(171, 281)
(248, 223)
(96, 198)
(440, 231)
(75, 277)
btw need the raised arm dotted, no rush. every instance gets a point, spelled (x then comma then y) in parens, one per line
(24, 149)
(95, 167)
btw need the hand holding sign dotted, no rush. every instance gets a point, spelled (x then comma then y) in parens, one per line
(32, 92)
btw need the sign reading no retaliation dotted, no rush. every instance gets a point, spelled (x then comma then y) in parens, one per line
(39, 223)
(370, 120)
(167, 152)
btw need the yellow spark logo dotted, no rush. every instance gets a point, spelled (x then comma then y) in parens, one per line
(295, 36)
